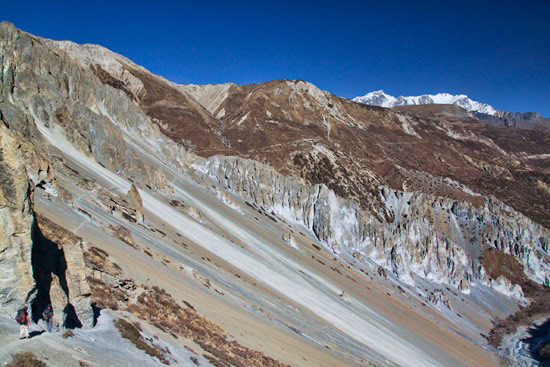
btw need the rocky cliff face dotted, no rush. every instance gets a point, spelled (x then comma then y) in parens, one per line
(524, 120)
(42, 262)
(60, 275)
(434, 238)
(16, 218)
(136, 204)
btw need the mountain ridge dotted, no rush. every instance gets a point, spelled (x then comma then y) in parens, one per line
(379, 98)
(481, 111)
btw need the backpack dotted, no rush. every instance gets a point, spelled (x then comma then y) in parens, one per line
(20, 317)
(48, 313)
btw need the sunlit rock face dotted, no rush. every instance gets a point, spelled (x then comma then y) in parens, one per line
(435, 238)
(41, 263)
(16, 220)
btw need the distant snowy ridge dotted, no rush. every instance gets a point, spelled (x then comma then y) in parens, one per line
(379, 98)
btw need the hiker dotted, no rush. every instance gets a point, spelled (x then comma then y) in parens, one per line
(47, 316)
(23, 320)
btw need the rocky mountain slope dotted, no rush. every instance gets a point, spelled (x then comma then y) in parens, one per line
(478, 110)
(264, 224)
(522, 120)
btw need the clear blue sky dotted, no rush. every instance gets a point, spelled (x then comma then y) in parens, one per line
(496, 52)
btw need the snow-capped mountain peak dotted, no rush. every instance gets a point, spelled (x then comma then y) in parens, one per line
(379, 98)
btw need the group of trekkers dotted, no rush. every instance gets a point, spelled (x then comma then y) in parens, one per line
(24, 320)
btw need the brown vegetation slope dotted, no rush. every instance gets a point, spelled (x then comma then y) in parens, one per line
(498, 264)
(352, 148)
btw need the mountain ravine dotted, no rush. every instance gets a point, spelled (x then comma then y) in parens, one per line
(269, 224)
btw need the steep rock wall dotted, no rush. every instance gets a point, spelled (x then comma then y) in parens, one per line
(60, 274)
(16, 219)
(435, 238)
(40, 262)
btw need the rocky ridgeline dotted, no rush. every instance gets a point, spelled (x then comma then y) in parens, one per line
(43, 87)
(40, 262)
(435, 238)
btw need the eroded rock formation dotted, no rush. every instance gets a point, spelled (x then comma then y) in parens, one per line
(435, 238)
(16, 220)
(40, 262)
(136, 204)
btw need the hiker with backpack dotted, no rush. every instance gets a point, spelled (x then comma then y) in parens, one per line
(24, 321)
(47, 316)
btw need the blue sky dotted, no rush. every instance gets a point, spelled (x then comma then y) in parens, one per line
(496, 52)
